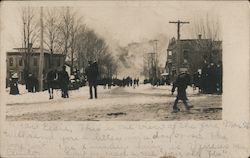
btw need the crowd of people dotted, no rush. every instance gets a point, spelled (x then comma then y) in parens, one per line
(61, 79)
(125, 82)
(159, 81)
(57, 79)
(209, 79)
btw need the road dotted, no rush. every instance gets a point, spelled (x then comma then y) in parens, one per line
(144, 103)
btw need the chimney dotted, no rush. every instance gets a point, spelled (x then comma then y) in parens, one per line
(199, 36)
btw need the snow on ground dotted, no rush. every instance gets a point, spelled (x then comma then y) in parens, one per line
(120, 103)
(37, 97)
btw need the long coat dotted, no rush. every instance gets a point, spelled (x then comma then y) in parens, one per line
(14, 86)
(51, 79)
(92, 73)
(182, 81)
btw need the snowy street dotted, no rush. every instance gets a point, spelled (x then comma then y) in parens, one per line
(144, 103)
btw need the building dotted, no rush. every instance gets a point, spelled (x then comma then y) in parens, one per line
(190, 54)
(16, 62)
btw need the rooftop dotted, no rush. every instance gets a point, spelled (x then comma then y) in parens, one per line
(33, 50)
(196, 43)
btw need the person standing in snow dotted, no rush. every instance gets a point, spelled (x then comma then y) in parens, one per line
(14, 85)
(51, 77)
(92, 75)
(64, 82)
(181, 83)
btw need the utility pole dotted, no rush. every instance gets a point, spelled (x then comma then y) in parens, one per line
(178, 26)
(151, 60)
(156, 59)
(178, 22)
(41, 64)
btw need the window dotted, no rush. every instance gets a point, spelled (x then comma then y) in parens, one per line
(20, 62)
(11, 61)
(170, 53)
(35, 62)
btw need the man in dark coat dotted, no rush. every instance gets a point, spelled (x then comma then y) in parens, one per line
(29, 83)
(92, 75)
(51, 77)
(211, 78)
(182, 81)
(204, 77)
(64, 82)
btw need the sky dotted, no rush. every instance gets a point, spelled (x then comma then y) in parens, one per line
(119, 22)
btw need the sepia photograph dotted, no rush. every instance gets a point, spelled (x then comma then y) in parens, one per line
(113, 62)
(124, 79)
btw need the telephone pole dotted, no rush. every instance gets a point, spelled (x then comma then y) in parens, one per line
(178, 26)
(41, 64)
(156, 59)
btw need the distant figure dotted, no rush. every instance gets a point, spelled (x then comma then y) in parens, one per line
(29, 83)
(137, 82)
(64, 82)
(33, 82)
(197, 80)
(14, 85)
(219, 77)
(130, 81)
(182, 81)
(92, 75)
(109, 83)
(204, 78)
(51, 77)
(36, 84)
(211, 78)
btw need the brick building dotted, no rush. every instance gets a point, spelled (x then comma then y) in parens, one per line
(15, 61)
(190, 54)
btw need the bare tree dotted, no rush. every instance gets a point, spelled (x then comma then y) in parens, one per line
(64, 27)
(29, 23)
(89, 46)
(75, 28)
(208, 29)
(30, 35)
(52, 32)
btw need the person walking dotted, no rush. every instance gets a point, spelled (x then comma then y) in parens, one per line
(64, 82)
(92, 75)
(181, 83)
